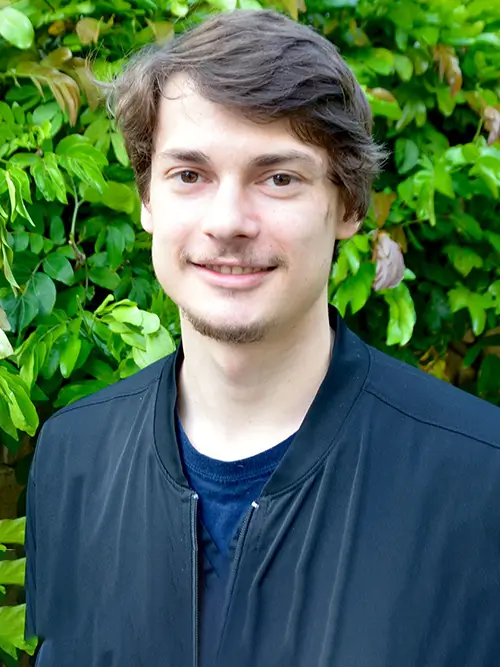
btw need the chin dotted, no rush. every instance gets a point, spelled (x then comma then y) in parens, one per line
(226, 332)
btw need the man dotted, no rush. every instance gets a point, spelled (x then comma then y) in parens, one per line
(276, 493)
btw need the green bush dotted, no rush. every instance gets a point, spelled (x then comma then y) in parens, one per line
(79, 305)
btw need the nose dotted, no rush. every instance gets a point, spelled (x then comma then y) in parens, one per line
(227, 216)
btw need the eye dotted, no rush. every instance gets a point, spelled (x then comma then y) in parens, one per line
(282, 180)
(189, 177)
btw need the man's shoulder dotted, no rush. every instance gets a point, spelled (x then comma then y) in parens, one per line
(126, 392)
(432, 402)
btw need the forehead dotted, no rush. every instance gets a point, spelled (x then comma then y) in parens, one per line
(191, 121)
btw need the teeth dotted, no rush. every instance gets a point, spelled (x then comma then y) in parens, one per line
(235, 270)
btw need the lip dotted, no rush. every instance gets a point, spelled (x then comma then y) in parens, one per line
(232, 281)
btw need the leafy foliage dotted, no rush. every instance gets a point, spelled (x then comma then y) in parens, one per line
(79, 305)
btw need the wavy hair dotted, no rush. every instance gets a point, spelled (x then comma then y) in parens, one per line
(267, 67)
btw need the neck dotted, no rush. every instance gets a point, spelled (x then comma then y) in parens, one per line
(236, 401)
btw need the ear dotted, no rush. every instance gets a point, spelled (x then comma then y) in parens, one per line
(347, 228)
(146, 218)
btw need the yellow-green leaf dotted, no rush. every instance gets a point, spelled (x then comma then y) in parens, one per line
(16, 28)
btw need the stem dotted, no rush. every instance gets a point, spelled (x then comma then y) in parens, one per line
(74, 217)
(478, 131)
(79, 255)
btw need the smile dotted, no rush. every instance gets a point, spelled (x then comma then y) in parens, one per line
(234, 270)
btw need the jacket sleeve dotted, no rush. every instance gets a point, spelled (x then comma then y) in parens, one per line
(30, 549)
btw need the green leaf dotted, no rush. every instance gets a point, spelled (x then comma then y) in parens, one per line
(126, 313)
(42, 180)
(104, 278)
(16, 28)
(12, 572)
(58, 267)
(442, 180)
(428, 35)
(406, 154)
(471, 355)
(69, 355)
(100, 371)
(56, 176)
(12, 631)
(79, 147)
(21, 409)
(21, 310)
(36, 243)
(150, 322)
(119, 149)
(488, 375)
(74, 391)
(43, 289)
(464, 259)
(350, 251)
(86, 170)
(6, 421)
(179, 8)
(158, 345)
(45, 112)
(5, 346)
(12, 531)
(119, 197)
(477, 304)
(402, 315)
(57, 232)
(361, 286)
(403, 66)
(446, 103)
(494, 239)
(472, 229)
(380, 61)
(134, 340)
(115, 245)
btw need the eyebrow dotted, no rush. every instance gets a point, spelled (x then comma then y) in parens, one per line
(266, 160)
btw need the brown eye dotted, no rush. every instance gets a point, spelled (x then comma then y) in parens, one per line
(282, 179)
(189, 177)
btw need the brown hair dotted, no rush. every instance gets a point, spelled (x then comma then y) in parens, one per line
(267, 67)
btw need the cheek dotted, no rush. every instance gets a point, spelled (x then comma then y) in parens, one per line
(172, 222)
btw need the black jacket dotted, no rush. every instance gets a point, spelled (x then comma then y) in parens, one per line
(376, 542)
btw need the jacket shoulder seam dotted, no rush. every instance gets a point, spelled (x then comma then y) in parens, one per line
(433, 423)
(71, 408)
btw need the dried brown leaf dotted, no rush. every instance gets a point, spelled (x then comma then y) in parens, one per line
(88, 30)
(57, 58)
(162, 30)
(398, 234)
(382, 202)
(390, 265)
(63, 87)
(491, 117)
(492, 349)
(359, 37)
(449, 67)
(57, 28)
(382, 94)
(78, 70)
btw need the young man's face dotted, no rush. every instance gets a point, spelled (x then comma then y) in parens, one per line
(226, 191)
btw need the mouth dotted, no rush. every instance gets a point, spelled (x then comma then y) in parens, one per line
(236, 270)
(233, 277)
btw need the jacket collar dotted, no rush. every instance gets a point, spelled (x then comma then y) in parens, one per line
(329, 410)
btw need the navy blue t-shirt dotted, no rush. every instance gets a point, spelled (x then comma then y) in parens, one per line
(226, 490)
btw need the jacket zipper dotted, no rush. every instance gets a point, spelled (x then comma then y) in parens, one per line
(234, 570)
(241, 539)
(194, 578)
